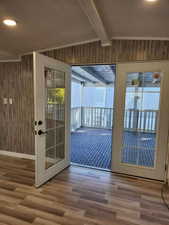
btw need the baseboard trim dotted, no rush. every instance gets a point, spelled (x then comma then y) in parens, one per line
(17, 155)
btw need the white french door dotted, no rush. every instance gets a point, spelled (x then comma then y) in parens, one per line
(52, 112)
(140, 134)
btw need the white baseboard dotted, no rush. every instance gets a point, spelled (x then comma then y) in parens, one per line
(17, 155)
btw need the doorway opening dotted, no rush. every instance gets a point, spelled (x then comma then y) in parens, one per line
(92, 109)
(92, 100)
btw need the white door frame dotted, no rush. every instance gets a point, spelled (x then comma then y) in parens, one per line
(158, 172)
(39, 63)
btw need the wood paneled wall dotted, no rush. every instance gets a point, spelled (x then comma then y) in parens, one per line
(120, 51)
(16, 82)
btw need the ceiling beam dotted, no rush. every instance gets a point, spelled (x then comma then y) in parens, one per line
(77, 80)
(82, 77)
(94, 74)
(91, 11)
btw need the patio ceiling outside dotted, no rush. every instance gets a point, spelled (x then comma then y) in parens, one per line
(97, 75)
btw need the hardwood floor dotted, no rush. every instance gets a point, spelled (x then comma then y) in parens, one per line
(77, 196)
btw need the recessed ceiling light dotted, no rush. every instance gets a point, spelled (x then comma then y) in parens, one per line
(151, 0)
(9, 22)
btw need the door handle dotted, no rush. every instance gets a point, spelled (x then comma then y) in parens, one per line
(40, 122)
(40, 132)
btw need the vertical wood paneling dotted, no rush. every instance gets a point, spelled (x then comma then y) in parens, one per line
(120, 51)
(16, 82)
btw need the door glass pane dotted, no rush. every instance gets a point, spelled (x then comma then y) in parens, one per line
(141, 118)
(55, 116)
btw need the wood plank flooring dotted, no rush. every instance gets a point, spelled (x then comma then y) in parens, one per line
(77, 196)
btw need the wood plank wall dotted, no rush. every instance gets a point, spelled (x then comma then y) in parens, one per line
(16, 80)
(120, 51)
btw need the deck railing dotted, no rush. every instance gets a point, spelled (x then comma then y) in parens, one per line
(76, 118)
(97, 117)
(142, 120)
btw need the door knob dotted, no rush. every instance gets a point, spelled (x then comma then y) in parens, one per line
(40, 132)
(40, 122)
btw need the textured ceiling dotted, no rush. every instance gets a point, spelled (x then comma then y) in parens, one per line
(42, 24)
(52, 23)
(135, 18)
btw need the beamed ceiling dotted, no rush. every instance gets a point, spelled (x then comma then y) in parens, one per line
(95, 74)
(44, 24)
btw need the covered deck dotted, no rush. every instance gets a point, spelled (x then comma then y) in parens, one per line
(92, 117)
(91, 137)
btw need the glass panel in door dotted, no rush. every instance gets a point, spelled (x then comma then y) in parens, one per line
(54, 116)
(142, 100)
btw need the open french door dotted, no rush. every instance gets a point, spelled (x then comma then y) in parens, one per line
(140, 135)
(52, 112)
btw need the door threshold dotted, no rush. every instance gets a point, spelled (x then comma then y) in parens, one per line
(117, 174)
(137, 177)
(90, 167)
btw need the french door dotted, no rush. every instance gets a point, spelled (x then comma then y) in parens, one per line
(140, 134)
(52, 112)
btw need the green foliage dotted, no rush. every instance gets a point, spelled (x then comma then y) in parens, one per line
(56, 95)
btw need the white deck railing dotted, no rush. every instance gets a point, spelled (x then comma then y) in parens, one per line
(97, 117)
(76, 118)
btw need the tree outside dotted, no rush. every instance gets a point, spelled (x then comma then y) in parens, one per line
(56, 95)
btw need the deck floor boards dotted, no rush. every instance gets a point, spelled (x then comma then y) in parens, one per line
(92, 147)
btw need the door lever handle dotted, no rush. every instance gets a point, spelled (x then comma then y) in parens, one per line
(40, 132)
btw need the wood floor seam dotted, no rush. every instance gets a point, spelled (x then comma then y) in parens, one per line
(77, 196)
